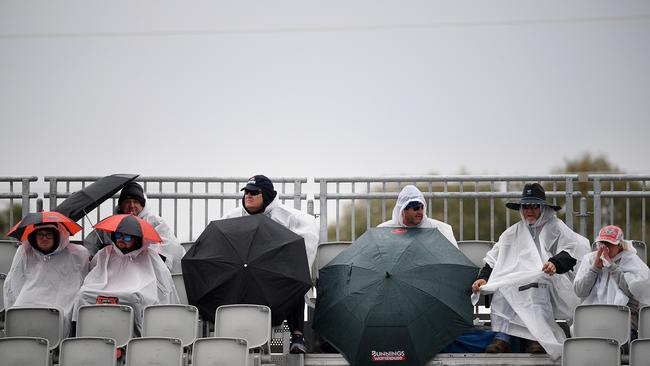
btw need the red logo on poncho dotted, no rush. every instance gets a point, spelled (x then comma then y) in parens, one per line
(398, 231)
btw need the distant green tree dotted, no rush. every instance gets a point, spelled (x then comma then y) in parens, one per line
(5, 223)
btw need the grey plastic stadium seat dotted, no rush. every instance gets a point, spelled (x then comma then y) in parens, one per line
(187, 245)
(221, 351)
(35, 321)
(644, 322)
(640, 352)
(159, 351)
(475, 250)
(106, 321)
(179, 283)
(173, 321)
(32, 351)
(327, 251)
(604, 321)
(250, 322)
(87, 351)
(591, 351)
(640, 250)
(8, 249)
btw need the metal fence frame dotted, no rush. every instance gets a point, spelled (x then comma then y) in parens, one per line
(24, 195)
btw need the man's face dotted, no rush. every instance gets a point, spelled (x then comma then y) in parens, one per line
(413, 216)
(45, 240)
(124, 242)
(531, 212)
(131, 206)
(253, 200)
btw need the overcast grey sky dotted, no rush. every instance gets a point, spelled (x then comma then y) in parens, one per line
(321, 88)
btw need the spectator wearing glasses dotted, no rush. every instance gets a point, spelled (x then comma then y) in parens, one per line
(260, 197)
(47, 270)
(128, 272)
(411, 211)
(614, 274)
(530, 270)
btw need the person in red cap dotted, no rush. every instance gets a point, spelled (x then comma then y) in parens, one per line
(261, 198)
(614, 274)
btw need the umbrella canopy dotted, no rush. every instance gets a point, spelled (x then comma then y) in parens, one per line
(87, 199)
(129, 224)
(395, 295)
(30, 222)
(250, 259)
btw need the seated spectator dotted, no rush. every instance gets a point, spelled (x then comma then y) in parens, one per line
(411, 211)
(47, 270)
(128, 272)
(614, 274)
(133, 201)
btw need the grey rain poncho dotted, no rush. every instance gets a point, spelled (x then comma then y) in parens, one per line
(411, 193)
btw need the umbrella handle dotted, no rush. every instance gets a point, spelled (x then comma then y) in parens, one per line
(101, 242)
(350, 272)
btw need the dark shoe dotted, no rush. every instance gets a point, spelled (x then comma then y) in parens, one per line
(498, 346)
(297, 344)
(534, 347)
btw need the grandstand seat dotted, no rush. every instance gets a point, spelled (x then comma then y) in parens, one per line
(187, 245)
(644, 322)
(227, 351)
(2, 297)
(640, 250)
(173, 321)
(160, 351)
(8, 249)
(87, 351)
(246, 321)
(475, 250)
(640, 352)
(32, 351)
(604, 321)
(179, 283)
(106, 321)
(35, 321)
(591, 351)
(326, 252)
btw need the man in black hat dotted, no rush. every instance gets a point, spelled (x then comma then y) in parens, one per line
(260, 197)
(530, 270)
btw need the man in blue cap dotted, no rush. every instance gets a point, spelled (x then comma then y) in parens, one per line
(260, 197)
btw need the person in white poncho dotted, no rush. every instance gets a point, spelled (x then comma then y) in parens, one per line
(530, 272)
(129, 272)
(614, 274)
(410, 211)
(260, 197)
(133, 200)
(47, 270)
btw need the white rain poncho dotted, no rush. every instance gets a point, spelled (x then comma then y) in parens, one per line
(409, 194)
(170, 247)
(625, 282)
(138, 278)
(37, 279)
(294, 220)
(526, 300)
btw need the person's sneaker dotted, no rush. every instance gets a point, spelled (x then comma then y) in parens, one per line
(498, 346)
(297, 344)
(534, 347)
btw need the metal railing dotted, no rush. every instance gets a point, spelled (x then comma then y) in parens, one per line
(10, 193)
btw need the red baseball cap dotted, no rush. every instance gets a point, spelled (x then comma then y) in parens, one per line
(611, 234)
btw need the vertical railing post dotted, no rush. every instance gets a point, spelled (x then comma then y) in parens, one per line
(52, 194)
(583, 216)
(569, 203)
(297, 194)
(25, 203)
(597, 205)
(323, 211)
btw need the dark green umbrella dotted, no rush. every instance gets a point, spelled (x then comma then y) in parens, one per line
(395, 295)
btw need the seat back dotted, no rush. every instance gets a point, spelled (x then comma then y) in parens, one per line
(106, 321)
(160, 351)
(640, 250)
(591, 351)
(475, 250)
(326, 252)
(173, 321)
(604, 321)
(247, 321)
(644, 322)
(32, 351)
(87, 351)
(8, 249)
(187, 245)
(2, 293)
(640, 352)
(223, 351)
(35, 321)
(179, 283)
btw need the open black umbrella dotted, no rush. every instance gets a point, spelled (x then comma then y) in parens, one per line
(395, 296)
(87, 199)
(250, 259)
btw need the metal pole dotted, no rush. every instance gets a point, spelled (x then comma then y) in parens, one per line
(52, 194)
(597, 203)
(569, 203)
(323, 211)
(583, 216)
(39, 205)
(297, 193)
(25, 208)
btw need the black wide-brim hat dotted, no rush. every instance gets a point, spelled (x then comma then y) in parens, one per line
(533, 193)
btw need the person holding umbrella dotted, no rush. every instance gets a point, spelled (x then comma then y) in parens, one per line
(530, 272)
(260, 197)
(128, 271)
(46, 269)
(410, 211)
(133, 201)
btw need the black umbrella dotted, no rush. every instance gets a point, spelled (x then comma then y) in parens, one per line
(87, 199)
(251, 260)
